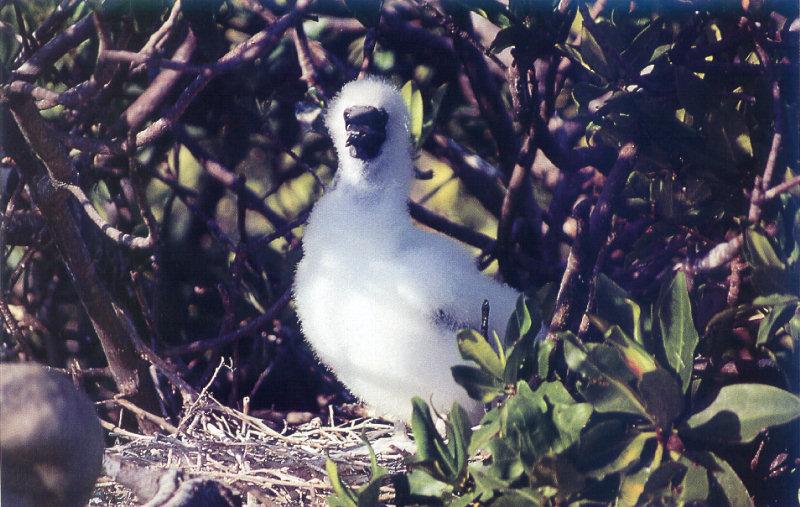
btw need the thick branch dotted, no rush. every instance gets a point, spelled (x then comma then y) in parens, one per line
(592, 236)
(31, 134)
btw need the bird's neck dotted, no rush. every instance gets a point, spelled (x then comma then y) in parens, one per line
(385, 179)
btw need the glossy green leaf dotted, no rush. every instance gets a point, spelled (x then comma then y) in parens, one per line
(761, 250)
(615, 306)
(433, 114)
(542, 422)
(728, 133)
(726, 485)
(630, 454)
(662, 397)
(459, 434)
(605, 380)
(636, 358)
(480, 385)
(432, 453)
(413, 99)
(520, 322)
(694, 485)
(343, 496)
(678, 334)
(778, 317)
(641, 50)
(658, 489)
(474, 347)
(633, 484)
(740, 412)
(591, 49)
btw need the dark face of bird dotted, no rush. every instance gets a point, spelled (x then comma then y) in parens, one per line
(366, 131)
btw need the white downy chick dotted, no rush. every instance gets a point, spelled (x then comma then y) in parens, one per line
(379, 299)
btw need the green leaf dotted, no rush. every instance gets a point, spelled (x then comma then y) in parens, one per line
(678, 334)
(643, 46)
(662, 397)
(413, 99)
(592, 54)
(629, 455)
(430, 120)
(694, 94)
(343, 496)
(474, 347)
(740, 412)
(775, 300)
(432, 453)
(604, 379)
(520, 322)
(615, 306)
(368, 494)
(480, 385)
(778, 317)
(368, 12)
(659, 485)
(637, 359)
(761, 251)
(694, 486)
(418, 488)
(633, 483)
(727, 485)
(592, 49)
(508, 37)
(769, 271)
(542, 422)
(727, 131)
(488, 429)
(459, 434)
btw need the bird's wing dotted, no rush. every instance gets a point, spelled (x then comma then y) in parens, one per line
(443, 280)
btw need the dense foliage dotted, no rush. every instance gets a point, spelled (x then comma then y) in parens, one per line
(631, 166)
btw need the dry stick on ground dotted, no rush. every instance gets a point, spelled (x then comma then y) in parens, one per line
(140, 412)
(593, 231)
(31, 143)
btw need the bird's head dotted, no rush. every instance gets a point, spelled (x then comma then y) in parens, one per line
(368, 122)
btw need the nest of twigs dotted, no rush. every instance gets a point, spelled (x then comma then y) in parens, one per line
(259, 465)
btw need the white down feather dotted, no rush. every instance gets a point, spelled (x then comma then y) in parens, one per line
(371, 288)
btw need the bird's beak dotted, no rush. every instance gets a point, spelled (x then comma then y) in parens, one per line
(366, 130)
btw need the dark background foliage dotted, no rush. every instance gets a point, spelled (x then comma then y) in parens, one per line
(160, 158)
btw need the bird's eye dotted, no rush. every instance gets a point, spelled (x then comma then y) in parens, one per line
(347, 115)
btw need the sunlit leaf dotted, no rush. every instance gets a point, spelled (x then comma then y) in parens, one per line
(778, 317)
(678, 334)
(740, 412)
(413, 99)
(605, 381)
(474, 347)
(479, 384)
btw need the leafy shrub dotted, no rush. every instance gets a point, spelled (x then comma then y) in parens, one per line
(640, 428)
